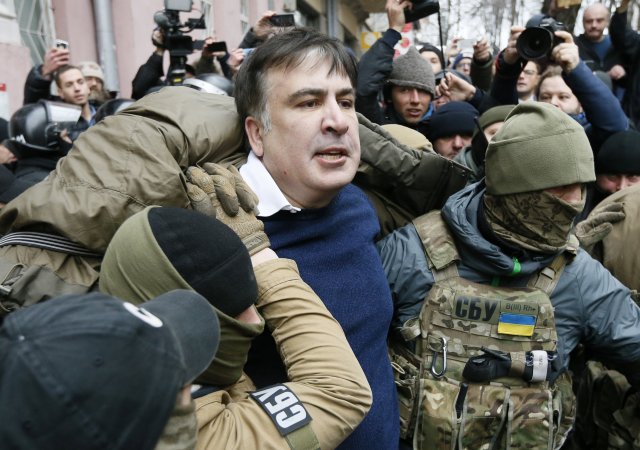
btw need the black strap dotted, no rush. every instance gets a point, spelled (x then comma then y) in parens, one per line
(47, 241)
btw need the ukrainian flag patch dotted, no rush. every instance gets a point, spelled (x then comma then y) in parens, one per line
(516, 324)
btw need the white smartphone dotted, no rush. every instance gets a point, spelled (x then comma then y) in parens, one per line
(59, 43)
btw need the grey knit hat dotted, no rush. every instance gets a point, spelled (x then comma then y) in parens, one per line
(412, 70)
(538, 147)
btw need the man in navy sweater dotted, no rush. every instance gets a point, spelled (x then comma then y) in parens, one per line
(296, 97)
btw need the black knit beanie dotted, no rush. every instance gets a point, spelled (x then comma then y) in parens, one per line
(432, 48)
(620, 154)
(208, 255)
(452, 118)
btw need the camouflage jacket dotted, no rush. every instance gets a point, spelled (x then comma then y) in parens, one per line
(590, 306)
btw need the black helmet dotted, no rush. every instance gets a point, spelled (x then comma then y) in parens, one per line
(35, 128)
(210, 83)
(111, 107)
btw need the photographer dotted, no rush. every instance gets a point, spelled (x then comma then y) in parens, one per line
(260, 32)
(628, 41)
(150, 74)
(567, 84)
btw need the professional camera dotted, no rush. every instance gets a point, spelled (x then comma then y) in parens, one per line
(420, 9)
(175, 39)
(537, 42)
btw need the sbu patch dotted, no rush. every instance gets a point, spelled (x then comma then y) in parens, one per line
(283, 407)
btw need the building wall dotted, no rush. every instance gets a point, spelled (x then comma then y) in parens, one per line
(74, 23)
(14, 56)
(132, 26)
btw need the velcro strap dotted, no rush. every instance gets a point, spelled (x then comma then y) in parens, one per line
(437, 240)
(518, 363)
(303, 439)
(540, 362)
(47, 241)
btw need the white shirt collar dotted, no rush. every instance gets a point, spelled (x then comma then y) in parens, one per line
(271, 199)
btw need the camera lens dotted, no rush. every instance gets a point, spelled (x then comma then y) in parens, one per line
(534, 43)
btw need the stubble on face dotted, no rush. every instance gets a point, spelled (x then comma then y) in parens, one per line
(312, 148)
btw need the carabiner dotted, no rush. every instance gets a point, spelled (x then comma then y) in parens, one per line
(434, 372)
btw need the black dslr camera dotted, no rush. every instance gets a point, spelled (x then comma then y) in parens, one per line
(537, 42)
(420, 9)
(179, 44)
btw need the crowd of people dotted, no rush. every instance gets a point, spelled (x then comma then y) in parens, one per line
(296, 249)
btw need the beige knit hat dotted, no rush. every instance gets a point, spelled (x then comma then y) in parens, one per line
(91, 69)
(412, 70)
(538, 147)
(408, 136)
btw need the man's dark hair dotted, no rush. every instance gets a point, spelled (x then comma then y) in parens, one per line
(426, 47)
(63, 69)
(286, 51)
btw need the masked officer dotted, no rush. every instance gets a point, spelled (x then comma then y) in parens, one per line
(500, 294)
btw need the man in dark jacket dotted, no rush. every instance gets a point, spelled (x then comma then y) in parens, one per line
(596, 49)
(628, 42)
(37, 86)
(408, 83)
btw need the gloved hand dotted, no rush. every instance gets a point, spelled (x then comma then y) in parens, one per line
(222, 193)
(598, 225)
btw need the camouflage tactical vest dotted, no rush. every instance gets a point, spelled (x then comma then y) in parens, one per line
(441, 409)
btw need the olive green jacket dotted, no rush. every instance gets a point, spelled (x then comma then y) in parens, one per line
(138, 157)
(618, 251)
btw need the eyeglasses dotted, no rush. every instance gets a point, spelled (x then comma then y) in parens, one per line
(530, 73)
(464, 64)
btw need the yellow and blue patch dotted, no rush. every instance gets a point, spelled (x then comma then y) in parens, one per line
(516, 324)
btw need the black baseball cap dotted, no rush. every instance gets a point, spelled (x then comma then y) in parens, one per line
(93, 372)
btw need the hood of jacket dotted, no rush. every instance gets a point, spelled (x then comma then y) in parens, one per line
(462, 212)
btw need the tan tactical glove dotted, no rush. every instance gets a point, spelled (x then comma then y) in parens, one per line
(598, 225)
(222, 193)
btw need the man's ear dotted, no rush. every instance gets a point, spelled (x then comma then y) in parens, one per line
(254, 130)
